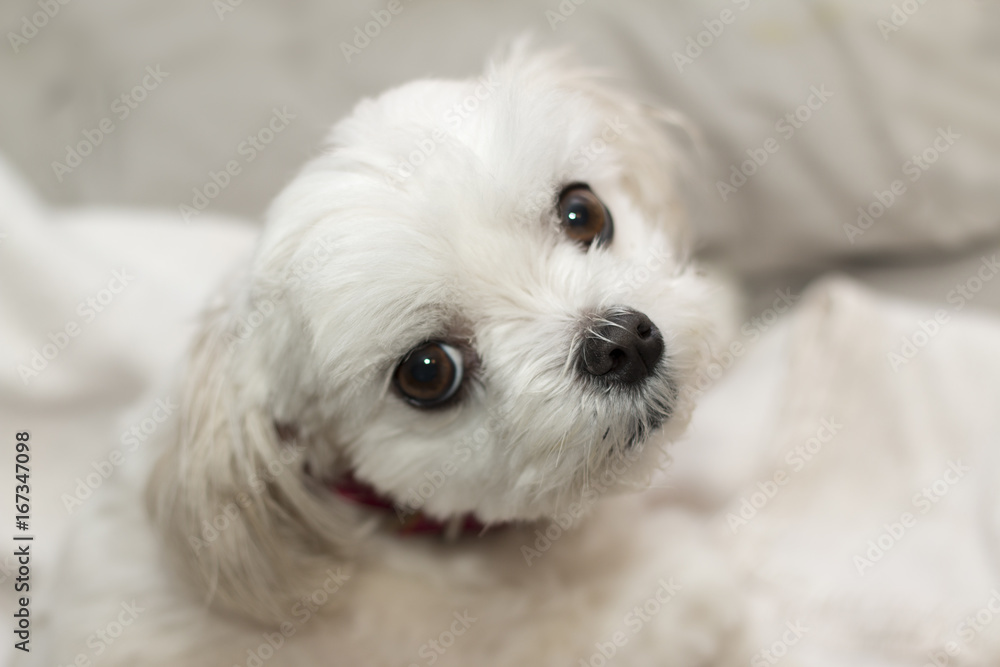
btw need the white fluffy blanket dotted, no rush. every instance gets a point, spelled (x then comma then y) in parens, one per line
(852, 460)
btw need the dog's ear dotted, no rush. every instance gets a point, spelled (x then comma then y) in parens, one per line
(229, 492)
(659, 147)
(668, 138)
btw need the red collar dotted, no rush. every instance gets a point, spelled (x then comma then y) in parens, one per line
(406, 520)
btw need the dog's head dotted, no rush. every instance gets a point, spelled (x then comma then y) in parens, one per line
(476, 301)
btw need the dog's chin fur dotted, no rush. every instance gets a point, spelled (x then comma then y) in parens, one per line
(426, 219)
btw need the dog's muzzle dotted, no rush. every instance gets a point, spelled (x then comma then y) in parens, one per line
(621, 348)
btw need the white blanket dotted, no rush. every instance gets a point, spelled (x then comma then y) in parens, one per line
(810, 454)
(860, 491)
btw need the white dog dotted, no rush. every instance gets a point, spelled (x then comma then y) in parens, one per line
(469, 324)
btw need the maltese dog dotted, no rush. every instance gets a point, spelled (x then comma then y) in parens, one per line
(405, 431)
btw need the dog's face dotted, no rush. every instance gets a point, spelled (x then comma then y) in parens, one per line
(474, 301)
(498, 308)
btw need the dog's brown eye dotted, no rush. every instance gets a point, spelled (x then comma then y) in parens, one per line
(430, 374)
(584, 216)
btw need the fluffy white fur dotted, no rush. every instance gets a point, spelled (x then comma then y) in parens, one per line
(227, 528)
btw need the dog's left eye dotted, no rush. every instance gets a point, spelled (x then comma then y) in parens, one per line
(584, 217)
(430, 374)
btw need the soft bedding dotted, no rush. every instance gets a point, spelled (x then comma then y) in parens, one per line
(859, 491)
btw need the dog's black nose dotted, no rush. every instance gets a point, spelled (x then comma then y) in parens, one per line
(621, 348)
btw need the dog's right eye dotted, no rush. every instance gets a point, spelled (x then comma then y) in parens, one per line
(430, 374)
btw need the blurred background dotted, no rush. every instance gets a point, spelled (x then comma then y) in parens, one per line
(184, 85)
